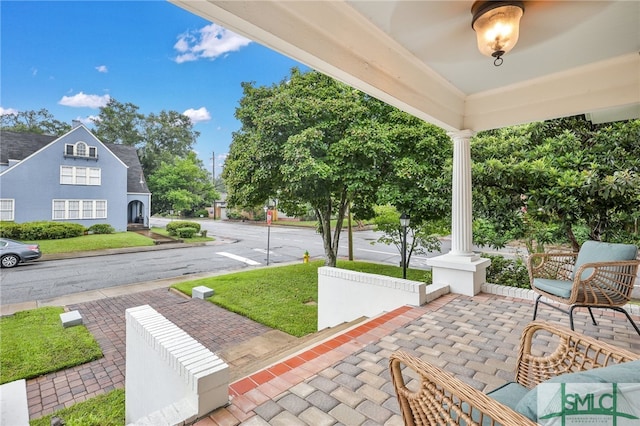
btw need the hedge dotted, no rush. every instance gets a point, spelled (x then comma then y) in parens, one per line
(172, 227)
(40, 230)
(101, 228)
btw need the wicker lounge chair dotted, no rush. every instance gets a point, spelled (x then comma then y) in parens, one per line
(439, 398)
(601, 275)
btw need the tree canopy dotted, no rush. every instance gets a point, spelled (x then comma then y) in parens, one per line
(181, 185)
(313, 141)
(557, 175)
(41, 122)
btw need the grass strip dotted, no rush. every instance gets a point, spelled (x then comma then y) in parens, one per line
(34, 342)
(94, 242)
(103, 410)
(283, 297)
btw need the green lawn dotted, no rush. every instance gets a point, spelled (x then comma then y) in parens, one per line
(35, 343)
(94, 242)
(283, 297)
(103, 410)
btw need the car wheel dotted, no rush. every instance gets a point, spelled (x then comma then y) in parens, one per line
(9, 261)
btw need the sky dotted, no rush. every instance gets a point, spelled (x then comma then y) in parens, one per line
(71, 57)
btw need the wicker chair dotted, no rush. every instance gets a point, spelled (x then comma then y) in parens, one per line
(601, 275)
(441, 399)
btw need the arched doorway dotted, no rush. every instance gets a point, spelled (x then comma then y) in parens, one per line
(136, 214)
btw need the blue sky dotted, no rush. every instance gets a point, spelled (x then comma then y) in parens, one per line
(72, 57)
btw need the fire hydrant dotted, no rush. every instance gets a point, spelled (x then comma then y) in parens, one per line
(305, 258)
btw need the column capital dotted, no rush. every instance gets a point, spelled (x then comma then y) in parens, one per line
(461, 134)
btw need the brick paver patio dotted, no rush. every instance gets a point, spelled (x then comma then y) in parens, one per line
(214, 327)
(342, 380)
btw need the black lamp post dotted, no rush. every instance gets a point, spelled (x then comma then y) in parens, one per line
(267, 213)
(404, 222)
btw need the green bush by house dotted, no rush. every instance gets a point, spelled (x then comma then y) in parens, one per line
(101, 228)
(40, 230)
(172, 227)
(186, 232)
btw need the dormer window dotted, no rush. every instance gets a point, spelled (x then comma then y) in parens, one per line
(80, 149)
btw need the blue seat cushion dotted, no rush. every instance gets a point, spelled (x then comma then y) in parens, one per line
(509, 394)
(596, 251)
(627, 372)
(560, 288)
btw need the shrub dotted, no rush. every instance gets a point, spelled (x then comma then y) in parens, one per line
(234, 215)
(101, 228)
(172, 227)
(10, 230)
(508, 272)
(203, 233)
(186, 232)
(201, 213)
(44, 230)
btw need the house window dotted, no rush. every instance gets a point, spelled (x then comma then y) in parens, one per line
(71, 175)
(94, 176)
(79, 209)
(80, 149)
(59, 209)
(81, 175)
(87, 208)
(66, 175)
(6, 209)
(73, 209)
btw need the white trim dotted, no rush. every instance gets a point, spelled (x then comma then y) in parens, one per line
(79, 212)
(74, 175)
(13, 209)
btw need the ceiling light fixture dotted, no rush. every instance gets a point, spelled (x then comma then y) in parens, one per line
(496, 24)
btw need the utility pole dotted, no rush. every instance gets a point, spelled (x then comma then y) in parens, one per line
(213, 168)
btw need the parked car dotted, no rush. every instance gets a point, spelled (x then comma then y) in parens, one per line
(13, 252)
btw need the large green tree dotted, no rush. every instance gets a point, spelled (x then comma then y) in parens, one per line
(181, 185)
(157, 137)
(312, 141)
(119, 123)
(165, 136)
(557, 174)
(306, 141)
(41, 122)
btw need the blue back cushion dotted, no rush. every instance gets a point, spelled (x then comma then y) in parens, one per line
(596, 251)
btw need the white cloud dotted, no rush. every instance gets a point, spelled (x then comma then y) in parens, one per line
(102, 68)
(87, 121)
(8, 111)
(208, 42)
(197, 115)
(82, 100)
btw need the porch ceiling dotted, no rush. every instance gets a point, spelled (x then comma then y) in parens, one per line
(573, 57)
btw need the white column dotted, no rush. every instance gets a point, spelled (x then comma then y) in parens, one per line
(461, 269)
(461, 209)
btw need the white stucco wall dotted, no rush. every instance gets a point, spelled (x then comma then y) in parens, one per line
(345, 295)
(170, 377)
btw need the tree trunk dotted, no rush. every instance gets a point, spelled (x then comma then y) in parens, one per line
(331, 242)
(572, 238)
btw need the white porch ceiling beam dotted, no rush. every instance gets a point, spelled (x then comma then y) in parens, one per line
(608, 84)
